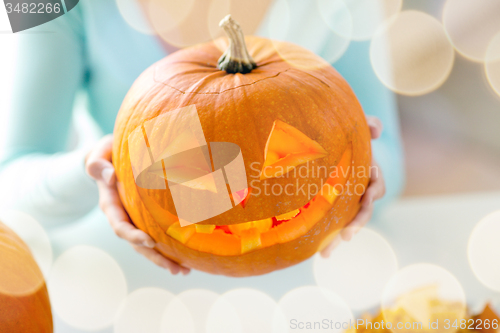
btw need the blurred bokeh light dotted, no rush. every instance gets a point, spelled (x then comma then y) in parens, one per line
(471, 25)
(86, 287)
(186, 23)
(134, 15)
(251, 311)
(492, 63)
(198, 302)
(167, 15)
(484, 251)
(20, 276)
(358, 270)
(33, 234)
(284, 25)
(177, 317)
(423, 293)
(411, 55)
(223, 318)
(142, 311)
(364, 16)
(337, 17)
(311, 304)
(249, 14)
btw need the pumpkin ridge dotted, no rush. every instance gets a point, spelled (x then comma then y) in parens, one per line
(126, 129)
(317, 78)
(193, 71)
(204, 81)
(123, 141)
(268, 62)
(195, 62)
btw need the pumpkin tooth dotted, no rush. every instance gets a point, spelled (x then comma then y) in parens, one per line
(205, 228)
(182, 234)
(261, 225)
(330, 193)
(237, 229)
(288, 216)
(250, 240)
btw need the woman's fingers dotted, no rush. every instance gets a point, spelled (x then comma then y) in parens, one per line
(120, 222)
(110, 204)
(375, 191)
(325, 253)
(362, 218)
(98, 161)
(101, 170)
(376, 188)
(161, 261)
(99, 167)
(375, 125)
(130, 233)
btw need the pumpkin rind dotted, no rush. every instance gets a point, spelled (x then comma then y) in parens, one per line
(24, 301)
(242, 108)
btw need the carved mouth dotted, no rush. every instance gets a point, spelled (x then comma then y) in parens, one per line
(236, 239)
(188, 161)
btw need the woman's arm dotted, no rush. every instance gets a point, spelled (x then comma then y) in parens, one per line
(37, 176)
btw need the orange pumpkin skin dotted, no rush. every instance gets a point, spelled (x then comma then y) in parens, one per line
(24, 301)
(302, 91)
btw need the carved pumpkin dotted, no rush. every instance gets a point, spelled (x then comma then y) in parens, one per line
(24, 301)
(299, 127)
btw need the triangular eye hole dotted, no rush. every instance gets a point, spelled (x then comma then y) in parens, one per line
(286, 148)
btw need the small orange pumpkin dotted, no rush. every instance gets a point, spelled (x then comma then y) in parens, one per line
(487, 320)
(24, 301)
(287, 110)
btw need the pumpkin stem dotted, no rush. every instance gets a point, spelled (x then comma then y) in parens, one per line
(236, 59)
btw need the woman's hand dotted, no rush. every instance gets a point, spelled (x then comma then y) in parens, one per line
(99, 167)
(375, 191)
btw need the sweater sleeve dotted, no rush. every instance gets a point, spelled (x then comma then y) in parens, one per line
(37, 173)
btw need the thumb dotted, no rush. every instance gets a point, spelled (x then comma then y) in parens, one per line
(375, 125)
(98, 162)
